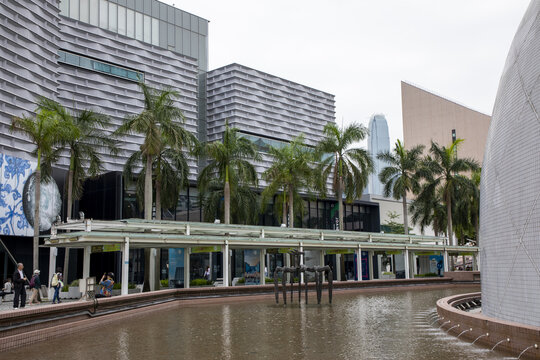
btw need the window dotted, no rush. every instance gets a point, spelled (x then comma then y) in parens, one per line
(122, 20)
(74, 9)
(139, 26)
(64, 7)
(130, 23)
(103, 14)
(113, 17)
(147, 29)
(99, 66)
(94, 12)
(155, 31)
(83, 11)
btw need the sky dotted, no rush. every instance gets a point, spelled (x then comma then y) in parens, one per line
(361, 50)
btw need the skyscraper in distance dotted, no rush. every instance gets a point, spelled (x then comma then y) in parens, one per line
(378, 141)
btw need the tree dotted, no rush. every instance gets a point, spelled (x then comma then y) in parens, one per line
(442, 170)
(46, 133)
(86, 140)
(400, 176)
(290, 171)
(428, 209)
(160, 123)
(392, 226)
(243, 202)
(229, 162)
(349, 166)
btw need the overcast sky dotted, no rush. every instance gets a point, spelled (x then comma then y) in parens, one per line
(360, 50)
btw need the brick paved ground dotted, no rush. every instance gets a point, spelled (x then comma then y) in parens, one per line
(7, 304)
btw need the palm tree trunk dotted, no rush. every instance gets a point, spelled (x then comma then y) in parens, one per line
(68, 215)
(340, 203)
(405, 216)
(227, 204)
(291, 208)
(148, 189)
(450, 234)
(37, 199)
(147, 216)
(158, 198)
(284, 212)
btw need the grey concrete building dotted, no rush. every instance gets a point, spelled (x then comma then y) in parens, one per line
(265, 108)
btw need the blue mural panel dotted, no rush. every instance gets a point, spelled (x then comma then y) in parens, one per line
(13, 175)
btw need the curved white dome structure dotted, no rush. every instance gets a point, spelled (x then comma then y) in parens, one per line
(510, 188)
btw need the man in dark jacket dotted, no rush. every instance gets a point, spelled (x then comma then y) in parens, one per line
(19, 281)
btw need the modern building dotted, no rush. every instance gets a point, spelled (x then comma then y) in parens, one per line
(378, 142)
(429, 117)
(510, 187)
(91, 54)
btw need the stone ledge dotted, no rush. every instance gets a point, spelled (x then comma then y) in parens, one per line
(521, 336)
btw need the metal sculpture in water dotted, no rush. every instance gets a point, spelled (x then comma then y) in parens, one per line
(297, 269)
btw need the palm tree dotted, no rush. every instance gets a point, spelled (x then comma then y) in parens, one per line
(442, 171)
(171, 170)
(87, 139)
(46, 133)
(349, 166)
(160, 123)
(400, 176)
(243, 202)
(290, 171)
(428, 209)
(229, 162)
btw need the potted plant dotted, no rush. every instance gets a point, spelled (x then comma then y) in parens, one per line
(74, 290)
(117, 289)
(388, 275)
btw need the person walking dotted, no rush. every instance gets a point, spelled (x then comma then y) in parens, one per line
(19, 280)
(35, 285)
(57, 284)
(7, 289)
(207, 274)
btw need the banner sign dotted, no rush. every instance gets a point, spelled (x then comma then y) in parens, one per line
(388, 252)
(339, 251)
(105, 248)
(427, 253)
(205, 249)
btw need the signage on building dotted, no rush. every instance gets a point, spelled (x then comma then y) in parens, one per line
(279, 250)
(205, 249)
(105, 248)
(339, 251)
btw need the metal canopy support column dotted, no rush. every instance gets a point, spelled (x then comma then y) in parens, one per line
(475, 262)
(152, 275)
(52, 268)
(86, 262)
(186, 267)
(370, 262)
(359, 263)
(406, 261)
(125, 266)
(301, 249)
(446, 259)
(226, 263)
(338, 267)
(262, 266)
(414, 266)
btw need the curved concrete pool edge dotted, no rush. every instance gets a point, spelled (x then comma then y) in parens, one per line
(487, 331)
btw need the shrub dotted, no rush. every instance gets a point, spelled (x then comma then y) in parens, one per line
(74, 283)
(165, 283)
(426, 275)
(65, 288)
(200, 282)
(388, 273)
(118, 286)
(241, 281)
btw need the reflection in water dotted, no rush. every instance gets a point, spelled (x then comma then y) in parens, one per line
(383, 325)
